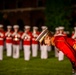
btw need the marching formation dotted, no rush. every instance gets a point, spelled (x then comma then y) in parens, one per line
(15, 40)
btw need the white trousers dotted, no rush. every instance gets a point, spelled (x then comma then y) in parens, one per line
(27, 52)
(49, 48)
(34, 50)
(1, 52)
(9, 49)
(56, 51)
(44, 52)
(16, 51)
(61, 56)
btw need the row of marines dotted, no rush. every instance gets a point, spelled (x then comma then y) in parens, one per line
(14, 40)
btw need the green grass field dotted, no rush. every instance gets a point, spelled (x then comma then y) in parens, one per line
(35, 66)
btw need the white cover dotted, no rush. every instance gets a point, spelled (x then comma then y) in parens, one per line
(15, 26)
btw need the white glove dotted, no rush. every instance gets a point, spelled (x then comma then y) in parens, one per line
(7, 34)
(27, 36)
(14, 34)
(23, 35)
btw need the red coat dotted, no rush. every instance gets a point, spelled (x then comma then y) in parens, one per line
(34, 36)
(65, 44)
(16, 38)
(2, 36)
(72, 34)
(8, 36)
(26, 37)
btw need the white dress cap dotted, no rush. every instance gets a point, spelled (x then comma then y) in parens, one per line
(44, 27)
(56, 28)
(61, 28)
(27, 27)
(1, 25)
(9, 26)
(35, 27)
(15, 26)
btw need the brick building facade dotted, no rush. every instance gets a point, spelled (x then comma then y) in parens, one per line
(22, 12)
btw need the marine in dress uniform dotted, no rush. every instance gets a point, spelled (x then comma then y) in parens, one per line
(35, 43)
(26, 37)
(56, 34)
(16, 41)
(64, 44)
(2, 36)
(43, 47)
(8, 36)
(61, 33)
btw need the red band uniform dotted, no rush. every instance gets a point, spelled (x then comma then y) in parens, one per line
(44, 49)
(16, 41)
(61, 33)
(35, 43)
(2, 36)
(56, 49)
(8, 36)
(26, 37)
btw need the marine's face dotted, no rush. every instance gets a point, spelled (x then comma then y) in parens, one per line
(9, 29)
(27, 30)
(61, 31)
(47, 40)
(15, 29)
(35, 29)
